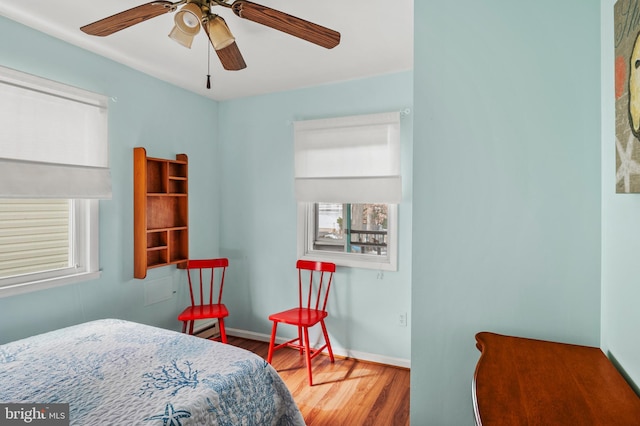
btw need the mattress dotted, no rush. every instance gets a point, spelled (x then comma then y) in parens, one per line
(123, 373)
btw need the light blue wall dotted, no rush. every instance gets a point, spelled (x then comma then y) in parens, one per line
(506, 186)
(620, 231)
(258, 215)
(149, 113)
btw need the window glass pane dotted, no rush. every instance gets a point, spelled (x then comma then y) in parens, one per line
(329, 233)
(351, 228)
(368, 233)
(35, 236)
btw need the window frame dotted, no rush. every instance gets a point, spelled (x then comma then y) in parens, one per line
(85, 246)
(306, 236)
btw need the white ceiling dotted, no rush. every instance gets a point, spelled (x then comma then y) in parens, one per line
(376, 38)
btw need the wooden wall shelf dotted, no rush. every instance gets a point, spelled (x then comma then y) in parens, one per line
(161, 212)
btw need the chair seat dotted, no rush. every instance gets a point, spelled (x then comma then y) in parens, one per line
(299, 316)
(204, 311)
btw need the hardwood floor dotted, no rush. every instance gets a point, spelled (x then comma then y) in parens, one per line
(345, 393)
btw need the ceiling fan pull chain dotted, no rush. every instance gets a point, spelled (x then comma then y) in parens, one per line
(208, 66)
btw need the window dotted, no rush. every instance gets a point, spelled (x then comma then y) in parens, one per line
(46, 243)
(348, 187)
(356, 235)
(53, 170)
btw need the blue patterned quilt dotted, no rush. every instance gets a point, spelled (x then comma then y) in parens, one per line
(115, 372)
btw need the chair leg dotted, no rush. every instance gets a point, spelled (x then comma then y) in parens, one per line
(223, 334)
(272, 342)
(326, 339)
(307, 350)
(300, 341)
(184, 326)
(191, 323)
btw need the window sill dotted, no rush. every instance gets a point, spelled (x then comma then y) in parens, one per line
(351, 261)
(15, 289)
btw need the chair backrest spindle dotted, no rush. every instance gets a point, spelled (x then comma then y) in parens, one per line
(201, 289)
(310, 290)
(221, 285)
(213, 272)
(193, 303)
(300, 288)
(324, 305)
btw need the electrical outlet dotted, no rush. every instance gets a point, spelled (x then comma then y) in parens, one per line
(402, 319)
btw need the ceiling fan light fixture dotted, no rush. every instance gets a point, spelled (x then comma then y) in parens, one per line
(219, 33)
(181, 37)
(188, 18)
(187, 24)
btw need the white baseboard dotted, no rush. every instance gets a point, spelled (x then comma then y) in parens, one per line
(342, 352)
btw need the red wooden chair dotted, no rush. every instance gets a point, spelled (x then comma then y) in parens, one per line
(199, 308)
(307, 314)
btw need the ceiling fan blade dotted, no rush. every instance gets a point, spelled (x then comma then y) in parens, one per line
(231, 58)
(122, 20)
(281, 21)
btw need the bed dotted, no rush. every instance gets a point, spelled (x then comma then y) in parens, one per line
(118, 372)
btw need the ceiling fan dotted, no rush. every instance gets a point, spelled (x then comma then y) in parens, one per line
(198, 13)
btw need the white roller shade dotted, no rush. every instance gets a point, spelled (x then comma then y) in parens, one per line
(53, 139)
(348, 159)
(21, 179)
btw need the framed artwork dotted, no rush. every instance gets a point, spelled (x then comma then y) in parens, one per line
(627, 93)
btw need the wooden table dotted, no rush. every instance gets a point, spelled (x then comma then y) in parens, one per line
(522, 381)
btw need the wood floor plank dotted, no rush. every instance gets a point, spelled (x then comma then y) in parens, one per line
(376, 382)
(384, 410)
(347, 392)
